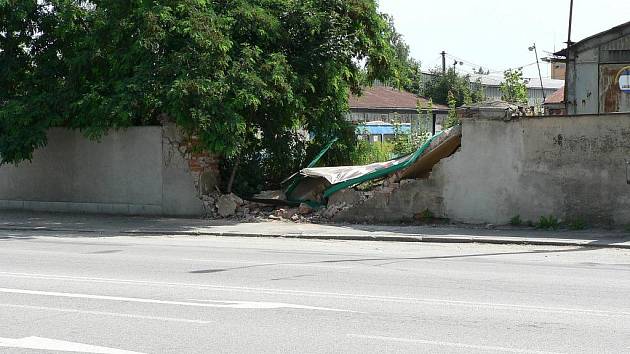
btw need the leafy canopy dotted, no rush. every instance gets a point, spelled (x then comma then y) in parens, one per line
(442, 85)
(226, 71)
(513, 88)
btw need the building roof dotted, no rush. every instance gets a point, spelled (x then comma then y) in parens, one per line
(496, 80)
(383, 97)
(599, 38)
(556, 98)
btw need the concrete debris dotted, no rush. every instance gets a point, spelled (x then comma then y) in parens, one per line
(332, 210)
(271, 195)
(286, 213)
(305, 209)
(345, 196)
(234, 207)
(238, 200)
(226, 205)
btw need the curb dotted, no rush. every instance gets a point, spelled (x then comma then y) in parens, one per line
(397, 238)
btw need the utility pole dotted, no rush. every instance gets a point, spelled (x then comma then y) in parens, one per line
(570, 23)
(539, 74)
(443, 62)
(566, 69)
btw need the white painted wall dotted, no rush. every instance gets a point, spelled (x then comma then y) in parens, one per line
(569, 167)
(133, 172)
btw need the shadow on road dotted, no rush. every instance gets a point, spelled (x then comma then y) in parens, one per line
(391, 260)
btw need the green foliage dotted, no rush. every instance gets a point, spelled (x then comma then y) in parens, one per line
(481, 71)
(441, 86)
(367, 153)
(402, 143)
(548, 223)
(239, 75)
(516, 221)
(452, 119)
(578, 224)
(408, 68)
(406, 142)
(426, 214)
(513, 88)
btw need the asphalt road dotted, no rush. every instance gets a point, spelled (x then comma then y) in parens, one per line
(74, 292)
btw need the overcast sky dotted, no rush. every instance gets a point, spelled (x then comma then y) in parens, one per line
(496, 34)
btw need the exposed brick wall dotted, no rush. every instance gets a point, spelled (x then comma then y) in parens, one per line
(204, 168)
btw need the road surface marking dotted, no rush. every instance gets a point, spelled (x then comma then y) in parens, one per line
(496, 306)
(213, 303)
(100, 313)
(58, 345)
(451, 344)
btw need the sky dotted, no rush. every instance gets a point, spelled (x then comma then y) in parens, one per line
(496, 34)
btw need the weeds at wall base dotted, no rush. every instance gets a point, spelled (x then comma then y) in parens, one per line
(548, 223)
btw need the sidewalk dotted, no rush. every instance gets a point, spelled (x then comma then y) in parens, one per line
(120, 225)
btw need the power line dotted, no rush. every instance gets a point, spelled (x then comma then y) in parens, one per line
(468, 62)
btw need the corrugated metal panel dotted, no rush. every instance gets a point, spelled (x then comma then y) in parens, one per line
(622, 43)
(617, 51)
(611, 98)
(586, 87)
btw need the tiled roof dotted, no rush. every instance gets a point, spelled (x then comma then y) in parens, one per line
(556, 98)
(387, 97)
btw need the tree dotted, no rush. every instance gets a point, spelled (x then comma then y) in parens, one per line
(452, 119)
(463, 90)
(481, 71)
(409, 69)
(513, 88)
(236, 74)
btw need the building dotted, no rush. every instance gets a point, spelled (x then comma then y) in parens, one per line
(557, 69)
(554, 104)
(535, 91)
(379, 131)
(491, 87)
(598, 73)
(379, 107)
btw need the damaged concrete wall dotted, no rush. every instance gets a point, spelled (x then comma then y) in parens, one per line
(403, 201)
(138, 171)
(569, 167)
(573, 168)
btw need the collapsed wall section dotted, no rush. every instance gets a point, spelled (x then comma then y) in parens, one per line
(572, 168)
(408, 200)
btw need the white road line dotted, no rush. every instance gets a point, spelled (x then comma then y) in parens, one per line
(101, 313)
(473, 304)
(216, 304)
(58, 345)
(451, 344)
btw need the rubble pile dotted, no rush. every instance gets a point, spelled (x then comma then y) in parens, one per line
(231, 206)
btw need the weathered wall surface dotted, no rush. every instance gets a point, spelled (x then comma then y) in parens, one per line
(593, 73)
(408, 201)
(569, 167)
(138, 171)
(573, 168)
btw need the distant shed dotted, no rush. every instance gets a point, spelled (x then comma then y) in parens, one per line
(386, 104)
(598, 73)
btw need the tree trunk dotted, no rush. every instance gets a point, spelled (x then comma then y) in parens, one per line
(233, 175)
